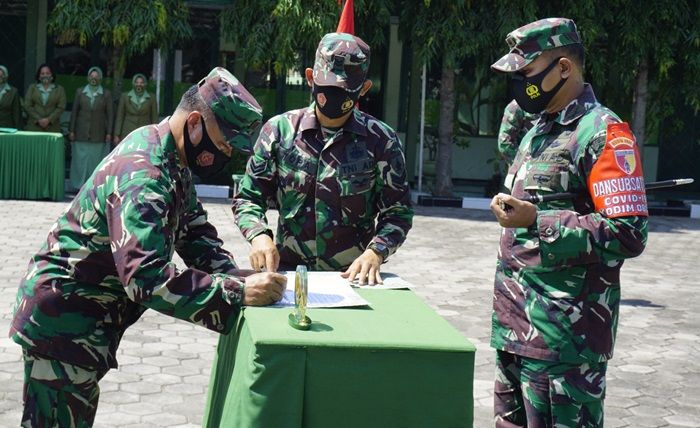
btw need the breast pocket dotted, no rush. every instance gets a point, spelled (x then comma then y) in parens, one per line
(357, 197)
(543, 178)
(294, 188)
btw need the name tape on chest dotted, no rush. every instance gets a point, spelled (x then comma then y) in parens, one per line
(616, 182)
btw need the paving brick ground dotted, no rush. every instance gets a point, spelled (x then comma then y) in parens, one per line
(653, 381)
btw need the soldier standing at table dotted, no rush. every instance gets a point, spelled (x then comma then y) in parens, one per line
(332, 171)
(44, 102)
(90, 127)
(136, 109)
(514, 125)
(10, 108)
(557, 286)
(108, 258)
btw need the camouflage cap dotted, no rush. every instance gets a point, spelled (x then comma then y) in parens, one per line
(529, 41)
(236, 110)
(342, 60)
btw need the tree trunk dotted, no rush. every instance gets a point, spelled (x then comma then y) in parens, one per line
(639, 104)
(118, 67)
(443, 166)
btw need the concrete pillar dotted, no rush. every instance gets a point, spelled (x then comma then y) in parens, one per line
(169, 85)
(413, 120)
(392, 80)
(239, 69)
(37, 13)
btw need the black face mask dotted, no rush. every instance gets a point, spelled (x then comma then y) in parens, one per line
(528, 93)
(205, 160)
(333, 101)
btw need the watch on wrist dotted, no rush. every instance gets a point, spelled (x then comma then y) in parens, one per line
(379, 249)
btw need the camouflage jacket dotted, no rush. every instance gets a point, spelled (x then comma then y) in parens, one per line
(557, 285)
(514, 125)
(329, 192)
(108, 258)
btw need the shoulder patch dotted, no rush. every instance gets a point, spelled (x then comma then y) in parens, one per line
(616, 182)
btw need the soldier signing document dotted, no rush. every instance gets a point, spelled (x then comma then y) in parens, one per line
(108, 257)
(336, 174)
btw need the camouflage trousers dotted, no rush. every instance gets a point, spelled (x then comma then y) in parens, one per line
(57, 394)
(544, 394)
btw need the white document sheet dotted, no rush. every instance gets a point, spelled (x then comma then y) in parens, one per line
(391, 281)
(326, 290)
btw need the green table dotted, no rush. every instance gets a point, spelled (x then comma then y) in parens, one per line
(396, 364)
(32, 165)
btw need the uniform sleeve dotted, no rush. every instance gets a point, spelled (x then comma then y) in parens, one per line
(32, 113)
(259, 184)
(567, 237)
(509, 132)
(199, 245)
(121, 110)
(55, 116)
(141, 237)
(395, 216)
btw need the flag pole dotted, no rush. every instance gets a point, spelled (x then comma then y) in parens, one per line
(422, 131)
(158, 81)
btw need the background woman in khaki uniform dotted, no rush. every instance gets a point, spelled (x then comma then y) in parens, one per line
(137, 108)
(90, 128)
(10, 113)
(44, 102)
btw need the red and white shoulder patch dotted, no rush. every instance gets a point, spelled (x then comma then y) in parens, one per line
(616, 182)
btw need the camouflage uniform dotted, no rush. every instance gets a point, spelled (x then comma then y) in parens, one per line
(329, 187)
(562, 394)
(557, 284)
(48, 382)
(514, 125)
(108, 258)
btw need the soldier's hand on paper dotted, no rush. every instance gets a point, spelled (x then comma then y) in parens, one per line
(365, 269)
(512, 212)
(264, 254)
(264, 288)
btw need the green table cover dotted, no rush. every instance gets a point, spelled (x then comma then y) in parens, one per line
(32, 165)
(396, 364)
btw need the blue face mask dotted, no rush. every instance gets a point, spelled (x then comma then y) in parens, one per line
(205, 160)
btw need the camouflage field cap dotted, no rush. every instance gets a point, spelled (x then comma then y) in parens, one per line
(236, 110)
(342, 60)
(529, 41)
